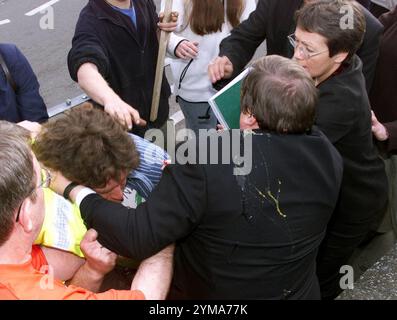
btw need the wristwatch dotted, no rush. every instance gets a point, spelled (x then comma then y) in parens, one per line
(69, 189)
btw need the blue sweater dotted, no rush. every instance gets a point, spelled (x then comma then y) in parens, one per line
(26, 103)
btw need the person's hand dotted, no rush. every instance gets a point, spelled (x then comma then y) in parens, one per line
(99, 260)
(165, 163)
(220, 128)
(168, 26)
(58, 181)
(378, 129)
(122, 112)
(187, 50)
(220, 68)
(33, 127)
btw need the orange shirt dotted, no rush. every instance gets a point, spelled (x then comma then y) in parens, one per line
(25, 282)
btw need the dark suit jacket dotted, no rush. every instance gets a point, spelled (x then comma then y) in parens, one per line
(238, 237)
(273, 20)
(343, 115)
(126, 56)
(25, 103)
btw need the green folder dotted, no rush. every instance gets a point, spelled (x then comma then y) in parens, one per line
(226, 103)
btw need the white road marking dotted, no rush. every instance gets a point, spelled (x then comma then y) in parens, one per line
(4, 21)
(41, 8)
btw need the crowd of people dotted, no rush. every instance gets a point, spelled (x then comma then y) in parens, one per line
(318, 111)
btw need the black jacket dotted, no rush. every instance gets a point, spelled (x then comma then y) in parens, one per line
(238, 237)
(344, 116)
(25, 103)
(273, 21)
(125, 56)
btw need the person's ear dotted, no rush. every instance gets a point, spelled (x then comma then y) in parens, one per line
(340, 57)
(25, 216)
(251, 121)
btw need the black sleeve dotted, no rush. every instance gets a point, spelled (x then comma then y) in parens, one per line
(87, 47)
(173, 210)
(31, 105)
(243, 41)
(369, 50)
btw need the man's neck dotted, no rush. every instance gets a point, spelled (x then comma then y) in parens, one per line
(15, 252)
(122, 4)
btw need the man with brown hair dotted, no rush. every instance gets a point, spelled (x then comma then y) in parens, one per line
(90, 148)
(239, 237)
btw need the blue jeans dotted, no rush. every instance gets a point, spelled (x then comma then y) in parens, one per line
(198, 115)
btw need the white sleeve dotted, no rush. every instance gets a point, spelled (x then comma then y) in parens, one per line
(250, 6)
(82, 194)
(178, 6)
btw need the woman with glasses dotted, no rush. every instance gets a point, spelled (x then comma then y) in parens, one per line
(273, 21)
(327, 52)
(202, 25)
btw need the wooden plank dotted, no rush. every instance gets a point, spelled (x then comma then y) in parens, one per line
(165, 36)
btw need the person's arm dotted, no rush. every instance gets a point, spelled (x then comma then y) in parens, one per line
(92, 82)
(154, 275)
(31, 104)
(369, 50)
(89, 65)
(238, 49)
(33, 127)
(391, 128)
(99, 262)
(64, 264)
(173, 210)
(386, 132)
(180, 47)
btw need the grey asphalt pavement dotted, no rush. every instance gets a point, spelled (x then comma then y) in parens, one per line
(46, 50)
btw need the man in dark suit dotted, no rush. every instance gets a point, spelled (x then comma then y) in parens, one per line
(273, 21)
(251, 236)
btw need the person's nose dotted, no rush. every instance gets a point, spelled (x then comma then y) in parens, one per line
(298, 53)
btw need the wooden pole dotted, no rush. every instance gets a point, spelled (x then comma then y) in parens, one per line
(165, 36)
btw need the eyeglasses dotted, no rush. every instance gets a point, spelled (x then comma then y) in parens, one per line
(303, 50)
(45, 183)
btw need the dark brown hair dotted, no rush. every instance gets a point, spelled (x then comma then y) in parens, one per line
(17, 175)
(326, 17)
(280, 94)
(87, 146)
(208, 16)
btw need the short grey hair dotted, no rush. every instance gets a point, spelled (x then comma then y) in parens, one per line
(280, 94)
(17, 176)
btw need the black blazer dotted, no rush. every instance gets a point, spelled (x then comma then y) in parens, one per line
(126, 56)
(254, 236)
(344, 116)
(273, 21)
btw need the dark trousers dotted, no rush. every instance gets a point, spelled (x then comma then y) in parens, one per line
(344, 235)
